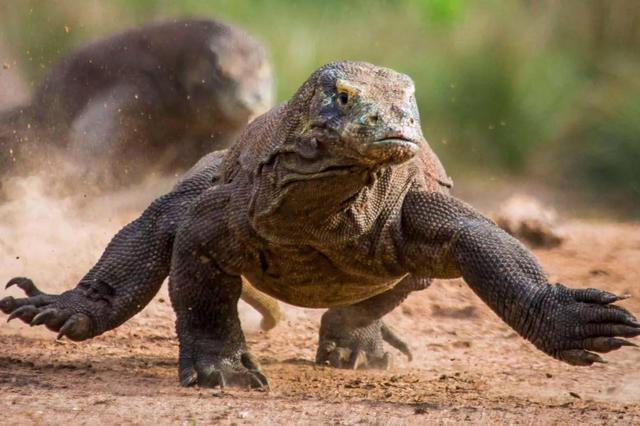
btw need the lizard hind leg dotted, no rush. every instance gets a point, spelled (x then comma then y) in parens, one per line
(353, 336)
(345, 343)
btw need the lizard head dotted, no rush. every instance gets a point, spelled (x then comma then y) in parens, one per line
(364, 114)
(227, 76)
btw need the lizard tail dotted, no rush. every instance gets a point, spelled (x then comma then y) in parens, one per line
(392, 338)
(266, 305)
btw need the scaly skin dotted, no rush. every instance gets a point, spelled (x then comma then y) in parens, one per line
(335, 200)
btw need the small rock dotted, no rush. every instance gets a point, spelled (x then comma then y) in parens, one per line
(527, 219)
(424, 408)
(420, 410)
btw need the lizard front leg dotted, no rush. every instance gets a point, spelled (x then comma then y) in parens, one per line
(127, 276)
(352, 336)
(443, 237)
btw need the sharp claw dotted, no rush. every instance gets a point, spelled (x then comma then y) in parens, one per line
(600, 360)
(13, 316)
(220, 379)
(387, 361)
(21, 310)
(339, 357)
(250, 362)
(12, 281)
(75, 328)
(264, 383)
(43, 316)
(408, 354)
(626, 331)
(63, 330)
(258, 381)
(390, 337)
(188, 377)
(359, 360)
(592, 295)
(25, 284)
(580, 357)
(324, 350)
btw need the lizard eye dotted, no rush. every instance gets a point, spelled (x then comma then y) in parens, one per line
(343, 98)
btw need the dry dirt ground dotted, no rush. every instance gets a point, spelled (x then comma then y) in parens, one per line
(468, 366)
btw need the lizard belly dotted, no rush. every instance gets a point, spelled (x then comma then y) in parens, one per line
(311, 280)
(320, 292)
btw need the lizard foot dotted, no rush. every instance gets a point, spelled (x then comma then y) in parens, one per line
(201, 365)
(583, 322)
(54, 311)
(343, 345)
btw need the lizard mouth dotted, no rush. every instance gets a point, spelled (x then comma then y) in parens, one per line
(396, 142)
(390, 150)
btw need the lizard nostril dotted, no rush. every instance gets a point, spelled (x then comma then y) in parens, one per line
(373, 119)
(412, 121)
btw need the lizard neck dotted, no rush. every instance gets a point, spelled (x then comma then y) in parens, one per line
(321, 202)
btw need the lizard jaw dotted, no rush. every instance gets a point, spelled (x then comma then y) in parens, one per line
(390, 151)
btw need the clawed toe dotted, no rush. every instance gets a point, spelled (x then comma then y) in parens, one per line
(77, 327)
(580, 357)
(243, 379)
(590, 324)
(26, 285)
(359, 345)
(188, 377)
(217, 371)
(605, 344)
(25, 308)
(42, 309)
(48, 316)
(7, 304)
(211, 377)
(340, 357)
(25, 313)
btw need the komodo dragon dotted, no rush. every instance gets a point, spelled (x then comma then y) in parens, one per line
(331, 200)
(154, 98)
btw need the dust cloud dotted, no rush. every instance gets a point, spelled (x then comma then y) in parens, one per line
(55, 236)
(54, 232)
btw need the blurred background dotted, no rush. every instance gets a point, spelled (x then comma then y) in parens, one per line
(535, 96)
